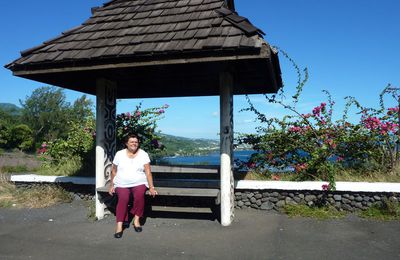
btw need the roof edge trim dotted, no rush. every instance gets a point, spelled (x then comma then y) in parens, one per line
(262, 55)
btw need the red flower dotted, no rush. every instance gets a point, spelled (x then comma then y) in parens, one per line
(276, 177)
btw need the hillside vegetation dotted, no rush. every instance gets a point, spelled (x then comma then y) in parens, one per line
(175, 145)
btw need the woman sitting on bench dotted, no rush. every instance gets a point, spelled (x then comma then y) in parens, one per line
(130, 174)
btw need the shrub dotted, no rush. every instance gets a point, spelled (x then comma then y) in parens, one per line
(142, 122)
(21, 137)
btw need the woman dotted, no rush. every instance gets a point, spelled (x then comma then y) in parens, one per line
(131, 174)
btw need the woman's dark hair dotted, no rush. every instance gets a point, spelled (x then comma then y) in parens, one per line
(129, 136)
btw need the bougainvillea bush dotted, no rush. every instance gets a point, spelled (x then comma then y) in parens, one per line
(142, 122)
(313, 146)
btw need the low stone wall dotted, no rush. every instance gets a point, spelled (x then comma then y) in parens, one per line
(277, 199)
(263, 195)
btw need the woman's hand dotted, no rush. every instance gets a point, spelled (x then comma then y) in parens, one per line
(153, 192)
(111, 190)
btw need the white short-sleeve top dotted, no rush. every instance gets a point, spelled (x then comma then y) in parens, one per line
(130, 171)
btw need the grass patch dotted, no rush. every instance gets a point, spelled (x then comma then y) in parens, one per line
(387, 210)
(91, 207)
(16, 169)
(313, 212)
(66, 168)
(346, 175)
(37, 197)
(375, 176)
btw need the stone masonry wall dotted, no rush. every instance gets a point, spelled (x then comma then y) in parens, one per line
(84, 192)
(266, 199)
(277, 199)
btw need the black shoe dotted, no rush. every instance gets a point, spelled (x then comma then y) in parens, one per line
(118, 234)
(137, 229)
(125, 225)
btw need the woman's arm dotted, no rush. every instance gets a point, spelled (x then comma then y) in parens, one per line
(111, 190)
(149, 177)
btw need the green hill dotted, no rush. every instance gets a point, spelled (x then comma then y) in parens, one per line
(175, 145)
(10, 108)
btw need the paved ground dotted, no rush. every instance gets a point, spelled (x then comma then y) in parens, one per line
(63, 232)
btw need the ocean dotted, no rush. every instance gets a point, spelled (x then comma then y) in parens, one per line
(208, 159)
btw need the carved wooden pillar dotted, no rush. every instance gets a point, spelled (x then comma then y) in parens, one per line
(105, 135)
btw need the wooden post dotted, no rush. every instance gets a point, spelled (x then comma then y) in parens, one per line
(226, 135)
(105, 135)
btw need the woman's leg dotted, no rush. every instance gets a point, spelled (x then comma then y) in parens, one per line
(138, 203)
(122, 206)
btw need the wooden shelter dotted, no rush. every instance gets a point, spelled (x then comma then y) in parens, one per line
(158, 48)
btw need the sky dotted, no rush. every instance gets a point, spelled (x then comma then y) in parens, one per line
(350, 48)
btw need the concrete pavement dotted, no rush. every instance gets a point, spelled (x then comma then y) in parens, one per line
(63, 232)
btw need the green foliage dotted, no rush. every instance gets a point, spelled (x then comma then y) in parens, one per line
(78, 142)
(21, 137)
(74, 153)
(91, 210)
(143, 123)
(385, 210)
(74, 166)
(4, 134)
(10, 114)
(48, 114)
(36, 197)
(14, 169)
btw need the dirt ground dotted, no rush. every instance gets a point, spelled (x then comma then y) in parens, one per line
(19, 159)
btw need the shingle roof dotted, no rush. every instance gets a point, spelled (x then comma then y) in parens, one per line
(156, 48)
(137, 28)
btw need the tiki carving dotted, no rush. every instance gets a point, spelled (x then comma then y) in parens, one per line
(109, 130)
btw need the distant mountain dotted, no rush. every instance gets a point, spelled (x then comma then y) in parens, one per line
(10, 108)
(176, 145)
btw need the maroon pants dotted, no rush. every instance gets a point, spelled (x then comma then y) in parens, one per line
(123, 201)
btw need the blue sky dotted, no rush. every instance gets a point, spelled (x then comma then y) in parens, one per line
(351, 48)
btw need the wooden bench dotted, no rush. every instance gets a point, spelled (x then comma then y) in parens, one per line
(181, 187)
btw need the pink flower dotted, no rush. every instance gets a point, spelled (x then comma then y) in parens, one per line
(392, 110)
(276, 177)
(339, 159)
(317, 110)
(326, 187)
(138, 113)
(161, 111)
(128, 115)
(300, 167)
(372, 123)
(44, 145)
(295, 129)
(42, 150)
(331, 143)
(306, 115)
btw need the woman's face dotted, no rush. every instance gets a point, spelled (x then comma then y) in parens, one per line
(132, 144)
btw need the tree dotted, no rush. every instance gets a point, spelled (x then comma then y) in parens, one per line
(81, 110)
(49, 115)
(21, 137)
